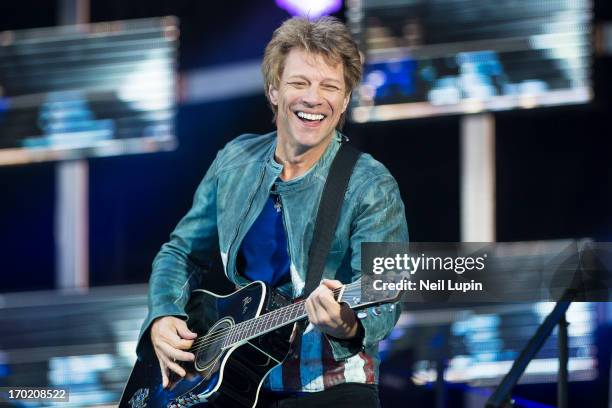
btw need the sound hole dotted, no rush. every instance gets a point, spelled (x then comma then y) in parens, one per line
(211, 345)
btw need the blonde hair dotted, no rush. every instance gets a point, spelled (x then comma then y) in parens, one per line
(326, 36)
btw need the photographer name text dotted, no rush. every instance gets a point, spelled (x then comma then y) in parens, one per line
(428, 285)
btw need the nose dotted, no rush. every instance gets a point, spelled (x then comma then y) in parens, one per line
(312, 96)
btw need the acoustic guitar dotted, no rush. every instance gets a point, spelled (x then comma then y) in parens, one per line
(241, 337)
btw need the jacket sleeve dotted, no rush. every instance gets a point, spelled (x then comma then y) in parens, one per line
(380, 217)
(178, 267)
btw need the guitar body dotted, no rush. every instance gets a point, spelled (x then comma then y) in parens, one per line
(219, 377)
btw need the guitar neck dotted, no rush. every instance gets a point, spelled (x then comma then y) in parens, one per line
(283, 316)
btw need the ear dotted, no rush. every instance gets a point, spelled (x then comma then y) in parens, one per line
(273, 95)
(345, 102)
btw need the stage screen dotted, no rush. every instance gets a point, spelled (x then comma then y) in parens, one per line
(437, 57)
(102, 89)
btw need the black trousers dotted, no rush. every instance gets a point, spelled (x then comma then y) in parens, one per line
(347, 395)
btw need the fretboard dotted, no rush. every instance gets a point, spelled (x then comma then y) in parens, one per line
(276, 319)
(268, 322)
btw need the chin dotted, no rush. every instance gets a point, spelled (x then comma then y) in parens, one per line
(310, 141)
(312, 136)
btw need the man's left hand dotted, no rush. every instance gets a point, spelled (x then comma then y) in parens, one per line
(336, 319)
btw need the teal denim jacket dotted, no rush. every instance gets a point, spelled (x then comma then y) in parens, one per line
(231, 196)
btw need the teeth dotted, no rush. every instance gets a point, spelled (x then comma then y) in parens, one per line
(310, 116)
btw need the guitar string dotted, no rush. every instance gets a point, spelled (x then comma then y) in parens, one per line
(262, 320)
(259, 319)
(256, 323)
(236, 329)
(253, 323)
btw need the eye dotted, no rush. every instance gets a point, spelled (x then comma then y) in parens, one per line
(297, 84)
(333, 88)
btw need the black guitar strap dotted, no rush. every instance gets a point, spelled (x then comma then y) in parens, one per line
(328, 213)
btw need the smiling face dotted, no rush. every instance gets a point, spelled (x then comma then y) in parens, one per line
(311, 96)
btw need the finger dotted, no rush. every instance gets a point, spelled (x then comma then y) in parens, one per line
(170, 335)
(329, 304)
(184, 332)
(323, 301)
(175, 354)
(321, 290)
(162, 367)
(178, 343)
(312, 315)
(323, 314)
(318, 292)
(323, 297)
(325, 292)
(174, 341)
(331, 283)
(176, 368)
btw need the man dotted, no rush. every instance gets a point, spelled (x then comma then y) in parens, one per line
(257, 205)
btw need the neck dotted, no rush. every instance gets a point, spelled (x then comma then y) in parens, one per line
(275, 319)
(298, 159)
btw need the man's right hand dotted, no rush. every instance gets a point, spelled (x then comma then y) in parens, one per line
(170, 336)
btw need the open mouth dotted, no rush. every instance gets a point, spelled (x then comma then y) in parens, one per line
(309, 117)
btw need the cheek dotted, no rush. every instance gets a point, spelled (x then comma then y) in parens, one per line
(338, 106)
(293, 100)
